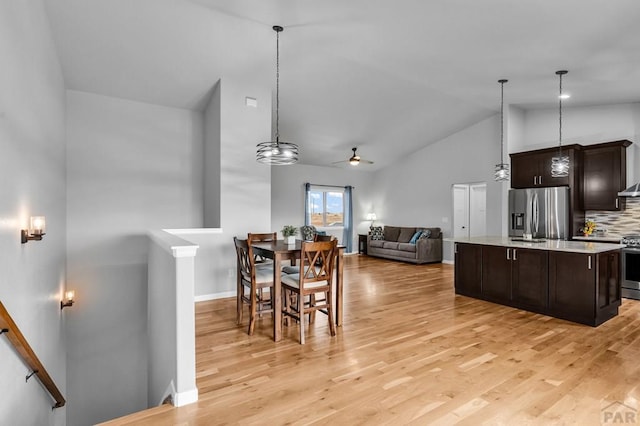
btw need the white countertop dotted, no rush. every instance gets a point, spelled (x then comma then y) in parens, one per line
(607, 239)
(553, 245)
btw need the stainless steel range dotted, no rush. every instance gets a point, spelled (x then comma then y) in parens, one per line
(631, 267)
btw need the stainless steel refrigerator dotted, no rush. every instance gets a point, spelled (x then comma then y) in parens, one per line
(541, 212)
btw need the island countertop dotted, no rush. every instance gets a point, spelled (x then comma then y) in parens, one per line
(552, 245)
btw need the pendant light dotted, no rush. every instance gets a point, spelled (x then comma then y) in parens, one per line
(502, 169)
(560, 164)
(277, 153)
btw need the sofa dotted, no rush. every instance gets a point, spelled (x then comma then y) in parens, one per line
(415, 245)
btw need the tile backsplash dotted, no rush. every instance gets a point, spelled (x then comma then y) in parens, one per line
(618, 224)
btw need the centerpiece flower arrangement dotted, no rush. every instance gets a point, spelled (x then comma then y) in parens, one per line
(589, 227)
(289, 233)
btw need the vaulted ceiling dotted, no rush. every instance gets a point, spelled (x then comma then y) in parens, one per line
(389, 77)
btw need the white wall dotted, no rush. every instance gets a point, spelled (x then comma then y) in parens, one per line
(132, 167)
(287, 194)
(212, 117)
(514, 128)
(586, 126)
(171, 320)
(32, 163)
(583, 125)
(237, 189)
(417, 190)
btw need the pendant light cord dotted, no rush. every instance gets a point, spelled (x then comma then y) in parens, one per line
(560, 118)
(502, 121)
(278, 84)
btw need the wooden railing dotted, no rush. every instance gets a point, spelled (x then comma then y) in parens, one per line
(11, 330)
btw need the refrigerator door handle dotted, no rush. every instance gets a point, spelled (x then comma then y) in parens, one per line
(534, 214)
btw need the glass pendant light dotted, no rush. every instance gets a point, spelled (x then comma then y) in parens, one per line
(560, 164)
(277, 153)
(502, 169)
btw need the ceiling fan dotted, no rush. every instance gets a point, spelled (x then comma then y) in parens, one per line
(355, 159)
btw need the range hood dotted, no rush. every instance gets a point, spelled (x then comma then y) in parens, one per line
(632, 191)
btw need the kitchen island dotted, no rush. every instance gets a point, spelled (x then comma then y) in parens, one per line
(574, 280)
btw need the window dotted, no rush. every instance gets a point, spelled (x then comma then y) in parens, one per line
(326, 208)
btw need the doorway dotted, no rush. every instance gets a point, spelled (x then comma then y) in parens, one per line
(469, 210)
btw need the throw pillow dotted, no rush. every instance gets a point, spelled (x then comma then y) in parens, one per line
(308, 232)
(376, 233)
(415, 237)
(425, 234)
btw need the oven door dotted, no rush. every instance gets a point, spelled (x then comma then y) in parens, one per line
(631, 273)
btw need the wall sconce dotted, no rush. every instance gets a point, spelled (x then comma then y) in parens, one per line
(69, 297)
(37, 227)
(372, 217)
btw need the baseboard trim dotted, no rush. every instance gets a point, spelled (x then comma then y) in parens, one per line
(214, 296)
(448, 262)
(185, 398)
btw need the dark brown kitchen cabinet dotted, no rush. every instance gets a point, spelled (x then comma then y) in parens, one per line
(605, 174)
(532, 169)
(530, 278)
(572, 285)
(496, 273)
(468, 269)
(515, 275)
(584, 288)
(608, 277)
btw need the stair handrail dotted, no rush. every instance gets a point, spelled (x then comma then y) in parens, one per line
(9, 328)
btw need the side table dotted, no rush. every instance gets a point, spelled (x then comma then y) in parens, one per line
(362, 243)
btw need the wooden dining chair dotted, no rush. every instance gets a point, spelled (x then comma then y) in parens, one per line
(264, 237)
(317, 261)
(250, 285)
(296, 269)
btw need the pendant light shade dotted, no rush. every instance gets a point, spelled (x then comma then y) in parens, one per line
(560, 164)
(502, 170)
(277, 153)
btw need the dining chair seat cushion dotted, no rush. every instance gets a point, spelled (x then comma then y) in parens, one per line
(291, 269)
(263, 275)
(293, 280)
(265, 266)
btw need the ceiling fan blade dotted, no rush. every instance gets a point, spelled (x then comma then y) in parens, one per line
(354, 160)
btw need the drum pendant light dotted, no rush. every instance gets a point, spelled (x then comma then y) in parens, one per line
(560, 164)
(502, 169)
(277, 153)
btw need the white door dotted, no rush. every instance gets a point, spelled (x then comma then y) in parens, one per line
(469, 210)
(460, 211)
(478, 209)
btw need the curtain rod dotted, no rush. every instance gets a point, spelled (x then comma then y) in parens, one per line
(329, 186)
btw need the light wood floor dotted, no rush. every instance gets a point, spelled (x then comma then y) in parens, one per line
(411, 352)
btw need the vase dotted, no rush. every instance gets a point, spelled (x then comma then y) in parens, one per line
(290, 240)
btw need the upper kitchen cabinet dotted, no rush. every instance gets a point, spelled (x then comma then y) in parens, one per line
(605, 174)
(532, 169)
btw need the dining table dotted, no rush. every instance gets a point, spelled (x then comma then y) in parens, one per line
(279, 250)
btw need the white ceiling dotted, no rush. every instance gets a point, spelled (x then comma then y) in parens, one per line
(387, 76)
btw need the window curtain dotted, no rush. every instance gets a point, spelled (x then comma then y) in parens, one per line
(307, 215)
(347, 233)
